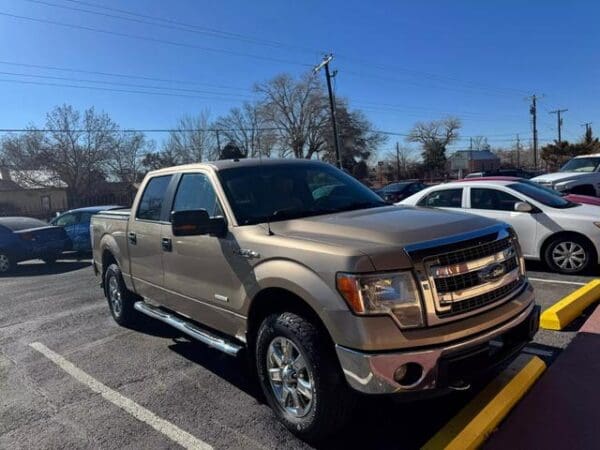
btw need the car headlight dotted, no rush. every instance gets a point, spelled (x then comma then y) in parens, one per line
(384, 293)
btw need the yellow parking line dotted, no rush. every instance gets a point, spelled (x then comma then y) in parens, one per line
(479, 418)
(570, 307)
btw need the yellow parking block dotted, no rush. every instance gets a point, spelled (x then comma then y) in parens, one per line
(477, 420)
(565, 311)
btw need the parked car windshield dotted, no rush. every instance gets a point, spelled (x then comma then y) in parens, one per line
(396, 187)
(290, 191)
(542, 195)
(581, 165)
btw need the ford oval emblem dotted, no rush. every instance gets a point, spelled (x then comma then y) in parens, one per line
(492, 272)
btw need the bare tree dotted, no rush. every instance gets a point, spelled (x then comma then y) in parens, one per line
(193, 140)
(434, 137)
(297, 109)
(125, 158)
(247, 127)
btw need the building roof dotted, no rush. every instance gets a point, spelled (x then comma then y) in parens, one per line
(476, 154)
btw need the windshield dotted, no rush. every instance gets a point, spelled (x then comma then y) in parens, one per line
(542, 195)
(290, 191)
(581, 165)
(395, 187)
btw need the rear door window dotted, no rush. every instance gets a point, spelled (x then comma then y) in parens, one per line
(444, 198)
(152, 201)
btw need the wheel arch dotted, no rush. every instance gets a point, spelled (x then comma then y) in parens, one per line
(273, 300)
(566, 234)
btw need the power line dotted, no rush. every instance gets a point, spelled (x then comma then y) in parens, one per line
(126, 91)
(143, 86)
(120, 75)
(182, 26)
(203, 29)
(155, 40)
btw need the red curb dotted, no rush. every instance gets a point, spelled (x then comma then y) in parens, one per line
(562, 410)
(592, 325)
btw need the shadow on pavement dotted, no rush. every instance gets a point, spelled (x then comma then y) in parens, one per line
(234, 370)
(37, 269)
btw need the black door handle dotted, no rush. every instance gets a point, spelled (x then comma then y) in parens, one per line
(166, 244)
(132, 238)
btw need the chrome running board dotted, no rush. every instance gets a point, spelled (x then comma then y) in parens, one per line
(192, 330)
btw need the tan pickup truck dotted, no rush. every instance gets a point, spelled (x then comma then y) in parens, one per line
(331, 291)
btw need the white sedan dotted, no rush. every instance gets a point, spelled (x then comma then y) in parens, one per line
(564, 234)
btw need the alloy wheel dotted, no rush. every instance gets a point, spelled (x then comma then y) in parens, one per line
(115, 297)
(569, 256)
(290, 377)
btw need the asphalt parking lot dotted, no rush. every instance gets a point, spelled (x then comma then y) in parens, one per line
(179, 387)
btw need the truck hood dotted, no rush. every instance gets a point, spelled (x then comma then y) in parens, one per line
(382, 233)
(561, 177)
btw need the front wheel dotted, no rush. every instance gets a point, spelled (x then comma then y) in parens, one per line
(6, 263)
(120, 299)
(300, 377)
(569, 255)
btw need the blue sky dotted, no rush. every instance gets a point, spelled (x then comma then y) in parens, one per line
(399, 61)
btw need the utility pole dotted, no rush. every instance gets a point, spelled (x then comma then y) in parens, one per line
(559, 121)
(587, 126)
(518, 152)
(533, 112)
(328, 76)
(397, 161)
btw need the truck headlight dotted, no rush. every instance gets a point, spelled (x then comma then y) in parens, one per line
(384, 293)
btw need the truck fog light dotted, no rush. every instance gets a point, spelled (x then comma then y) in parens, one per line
(400, 373)
(408, 374)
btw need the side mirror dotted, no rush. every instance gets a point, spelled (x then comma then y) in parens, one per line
(523, 207)
(197, 222)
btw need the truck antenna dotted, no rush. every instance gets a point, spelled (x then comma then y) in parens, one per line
(260, 165)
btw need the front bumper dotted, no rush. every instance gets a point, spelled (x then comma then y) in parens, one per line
(448, 366)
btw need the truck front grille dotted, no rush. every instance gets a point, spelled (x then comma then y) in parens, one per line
(472, 253)
(469, 279)
(481, 300)
(466, 275)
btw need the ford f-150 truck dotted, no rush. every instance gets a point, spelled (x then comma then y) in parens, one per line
(329, 291)
(580, 175)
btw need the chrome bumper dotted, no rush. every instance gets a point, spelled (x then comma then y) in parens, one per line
(373, 373)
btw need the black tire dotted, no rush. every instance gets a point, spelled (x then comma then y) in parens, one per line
(581, 248)
(332, 400)
(7, 263)
(125, 315)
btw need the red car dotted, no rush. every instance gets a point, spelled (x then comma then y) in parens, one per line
(575, 198)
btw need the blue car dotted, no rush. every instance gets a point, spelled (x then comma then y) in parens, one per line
(76, 224)
(24, 238)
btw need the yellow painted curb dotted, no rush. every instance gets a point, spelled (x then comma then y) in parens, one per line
(479, 418)
(566, 310)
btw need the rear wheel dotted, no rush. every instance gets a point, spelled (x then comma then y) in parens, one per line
(569, 254)
(6, 263)
(120, 299)
(300, 377)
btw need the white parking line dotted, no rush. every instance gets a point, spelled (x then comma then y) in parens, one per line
(173, 432)
(574, 283)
